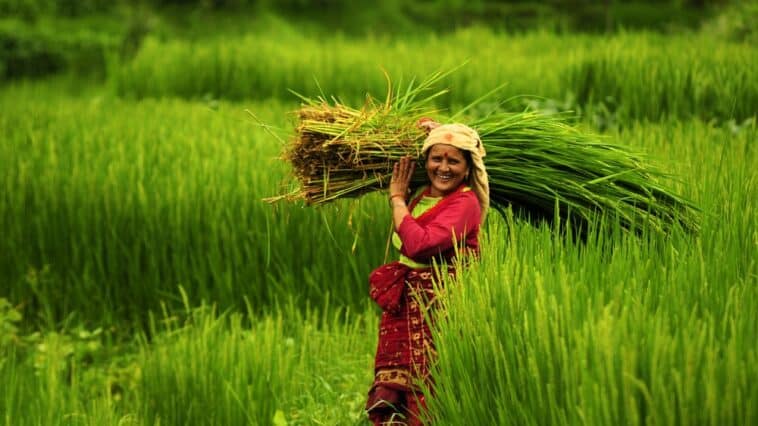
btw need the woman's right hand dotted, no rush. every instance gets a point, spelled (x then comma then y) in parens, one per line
(402, 173)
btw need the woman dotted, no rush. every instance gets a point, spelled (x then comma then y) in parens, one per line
(450, 209)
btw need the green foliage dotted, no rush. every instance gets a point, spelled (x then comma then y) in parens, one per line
(683, 80)
(43, 48)
(108, 206)
(643, 76)
(736, 23)
(67, 372)
(211, 369)
(32, 9)
(358, 16)
(9, 317)
(618, 329)
(621, 330)
(197, 367)
(42, 37)
(538, 164)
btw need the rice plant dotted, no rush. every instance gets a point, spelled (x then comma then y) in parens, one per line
(108, 206)
(538, 164)
(633, 75)
(622, 329)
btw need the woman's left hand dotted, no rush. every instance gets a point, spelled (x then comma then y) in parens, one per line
(427, 124)
(402, 173)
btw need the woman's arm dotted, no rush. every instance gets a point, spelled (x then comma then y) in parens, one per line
(402, 173)
(401, 179)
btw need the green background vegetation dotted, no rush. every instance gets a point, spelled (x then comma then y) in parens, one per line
(145, 280)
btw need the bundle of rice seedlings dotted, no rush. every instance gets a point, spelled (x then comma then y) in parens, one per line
(546, 168)
(538, 164)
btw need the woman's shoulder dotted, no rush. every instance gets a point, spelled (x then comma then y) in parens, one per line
(465, 197)
(466, 192)
(466, 188)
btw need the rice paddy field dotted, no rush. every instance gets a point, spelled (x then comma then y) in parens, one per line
(146, 281)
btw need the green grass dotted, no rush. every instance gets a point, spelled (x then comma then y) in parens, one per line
(634, 75)
(150, 284)
(109, 206)
(652, 78)
(624, 330)
(199, 367)
(298, 367)
(620, 329)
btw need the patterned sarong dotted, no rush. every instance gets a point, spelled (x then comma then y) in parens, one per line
(405, 345)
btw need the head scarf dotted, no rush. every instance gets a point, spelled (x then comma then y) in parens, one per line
(466, 139)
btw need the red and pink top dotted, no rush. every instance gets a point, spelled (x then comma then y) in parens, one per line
(432, 234)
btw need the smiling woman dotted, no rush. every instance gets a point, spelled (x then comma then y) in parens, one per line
(449, 209)
(447, 167)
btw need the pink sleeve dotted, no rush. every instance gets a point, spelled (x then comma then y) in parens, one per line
(459, 217)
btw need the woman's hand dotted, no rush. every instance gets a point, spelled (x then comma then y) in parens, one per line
(427, 124)
(402, 173)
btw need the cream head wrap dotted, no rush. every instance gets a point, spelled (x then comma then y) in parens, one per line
(466, 139)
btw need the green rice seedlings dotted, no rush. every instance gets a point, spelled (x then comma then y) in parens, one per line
(538, 164)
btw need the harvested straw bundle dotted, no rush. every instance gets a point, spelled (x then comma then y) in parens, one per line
(537, 164)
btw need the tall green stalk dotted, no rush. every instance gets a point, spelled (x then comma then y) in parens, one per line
(538, 164)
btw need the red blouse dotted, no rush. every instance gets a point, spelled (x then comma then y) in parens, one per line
(454, 218)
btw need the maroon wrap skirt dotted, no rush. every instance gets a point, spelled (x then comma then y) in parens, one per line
(405, 346)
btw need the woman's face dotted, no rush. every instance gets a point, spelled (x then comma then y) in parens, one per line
(446, 167)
